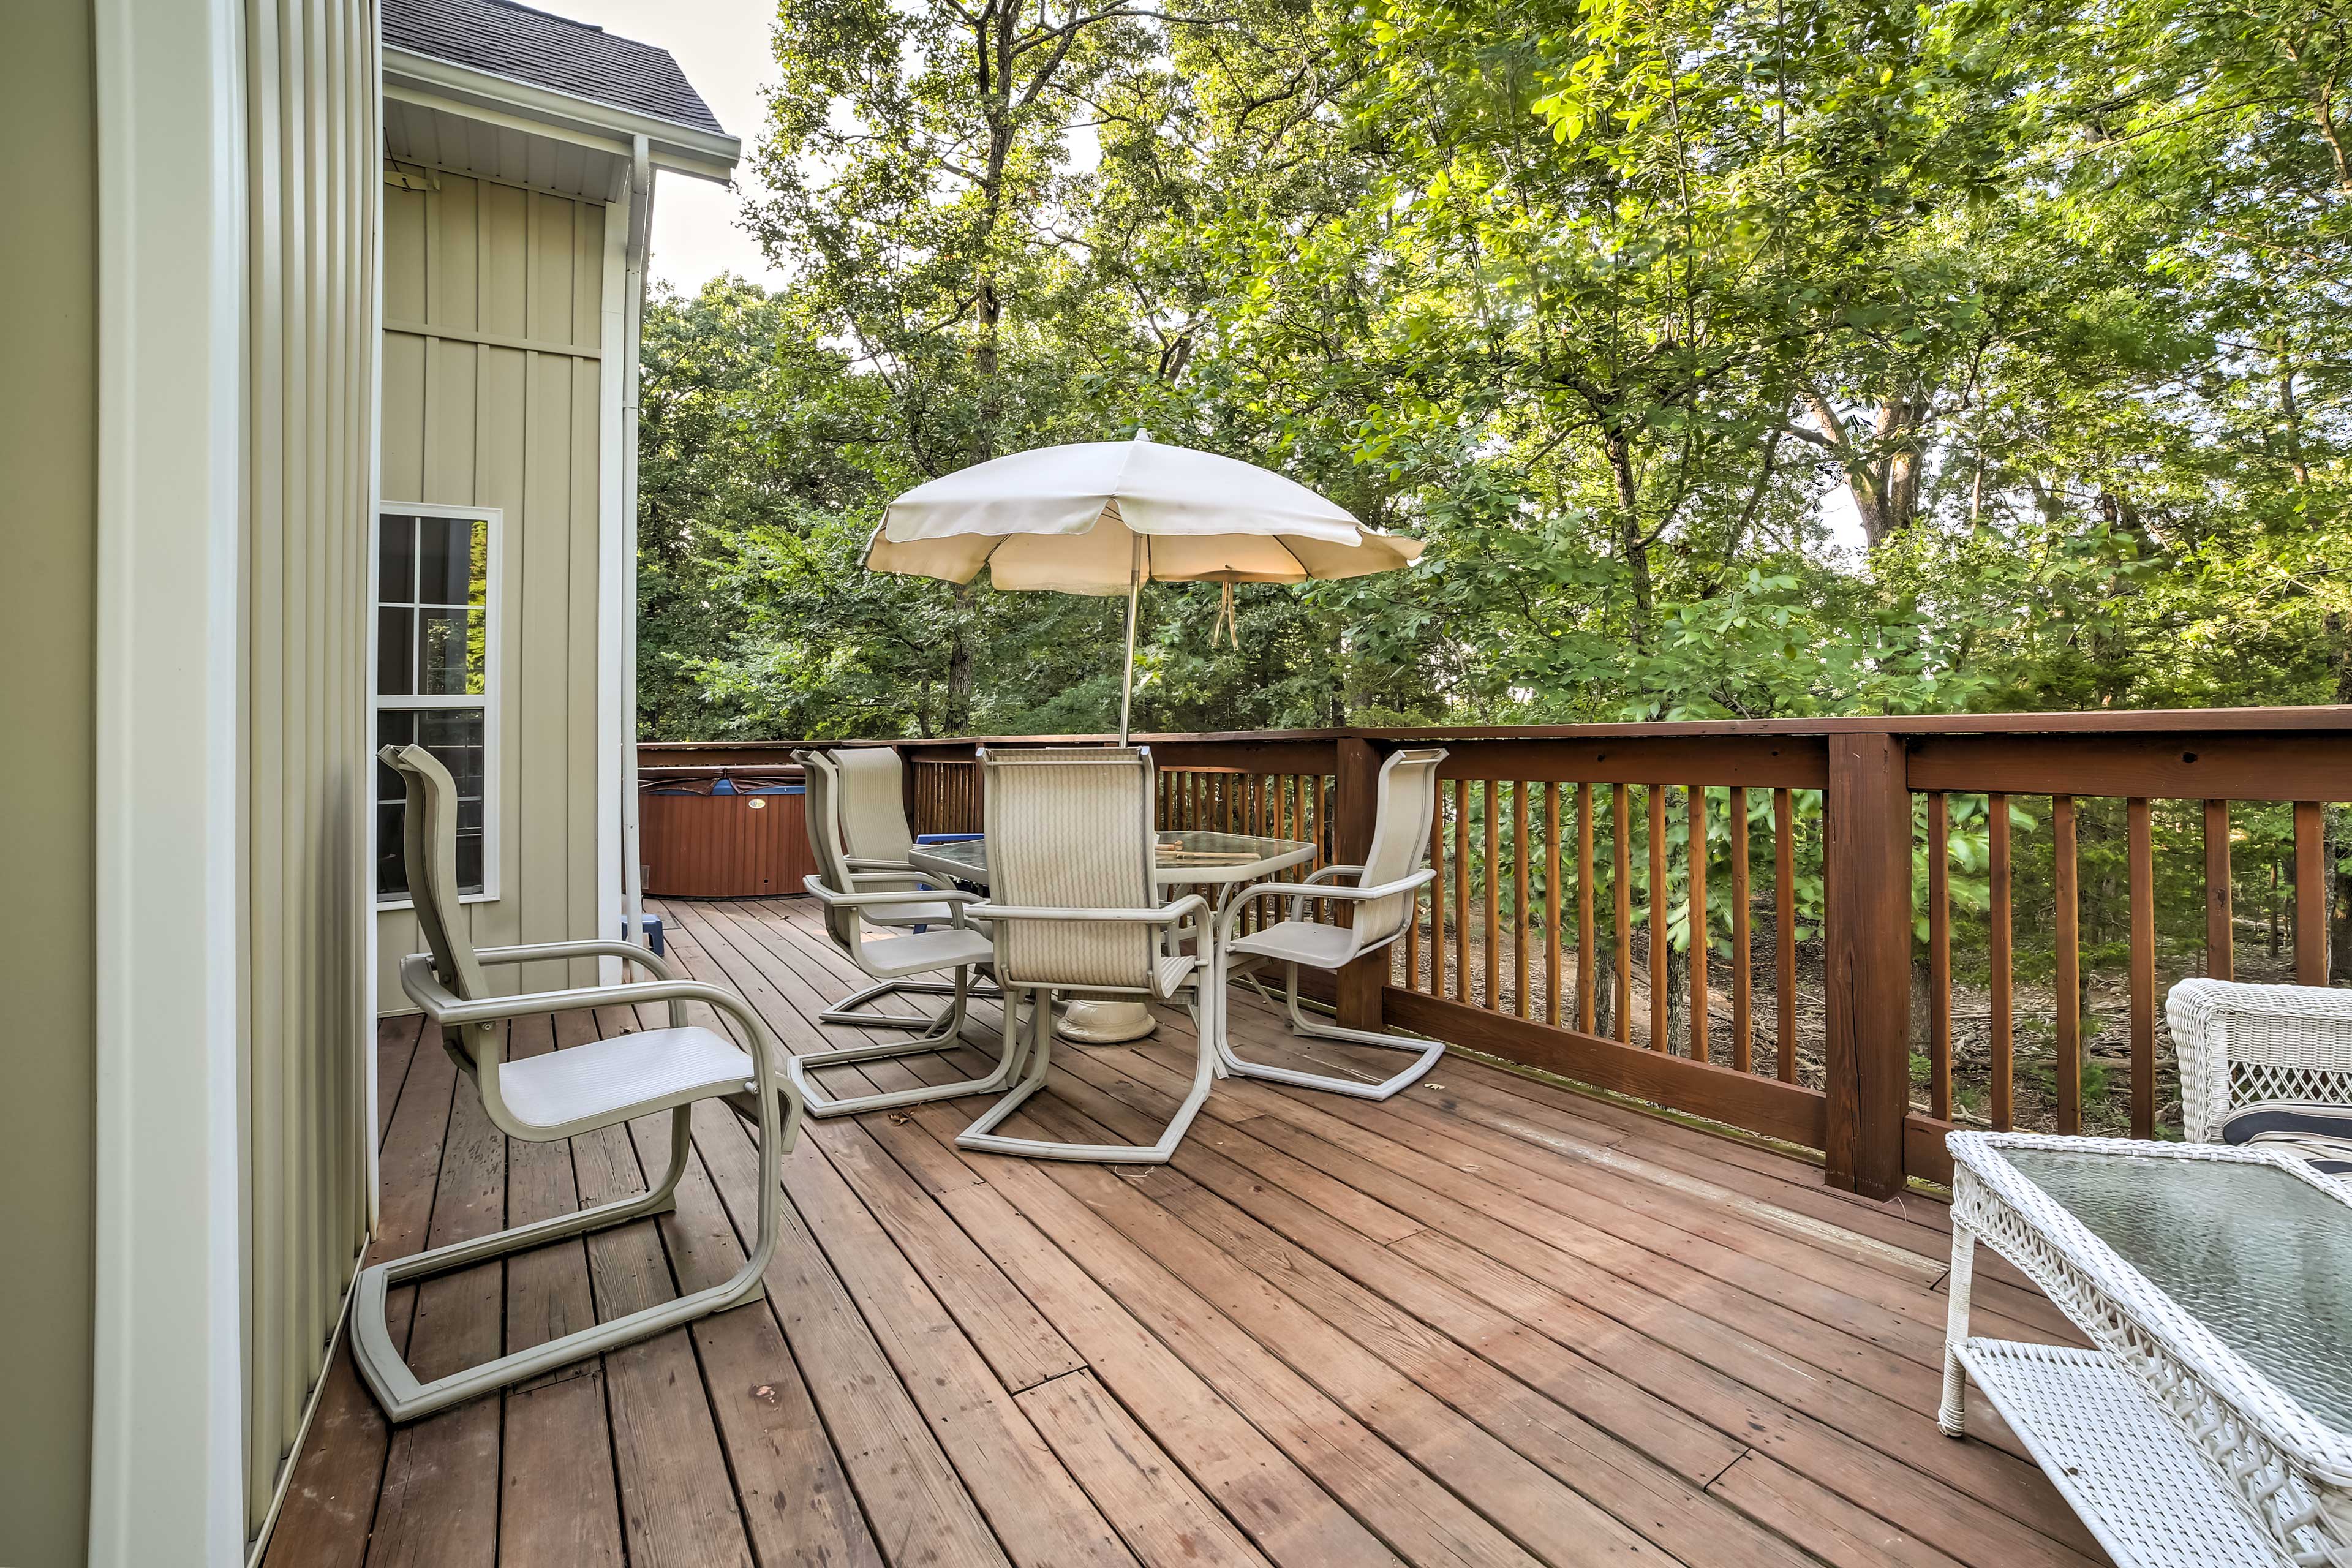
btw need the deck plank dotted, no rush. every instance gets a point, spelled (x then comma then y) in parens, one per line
(1819, 1448)
(1498, 1318)
(677, 1502)
(330, 1501)
(558, 1506)
(439, 1508)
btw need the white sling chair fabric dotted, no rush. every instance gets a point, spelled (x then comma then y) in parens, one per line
(1071, 899)
(853, 898)
(556, 1095)
(1383, 900)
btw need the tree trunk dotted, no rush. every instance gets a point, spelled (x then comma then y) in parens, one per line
(1629, 530)
(957, 716)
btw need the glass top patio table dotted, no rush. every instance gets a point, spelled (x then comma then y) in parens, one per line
(2259, 1256)
(1179, 857)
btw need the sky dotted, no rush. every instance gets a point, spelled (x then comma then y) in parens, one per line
(722, 46)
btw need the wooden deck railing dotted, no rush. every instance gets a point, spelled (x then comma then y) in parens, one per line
(1909, 923)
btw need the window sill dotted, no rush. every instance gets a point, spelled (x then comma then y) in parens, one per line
(392, 906)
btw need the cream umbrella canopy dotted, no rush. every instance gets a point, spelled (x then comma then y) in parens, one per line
(1106, 517)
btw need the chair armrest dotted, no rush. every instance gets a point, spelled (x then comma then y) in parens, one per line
(1166, 914)
(592, 947)
(956, 898)
(451, 1011)
(874, 863)
(826, 896)
(1334, 871)
(588, 947)
(1299, 893)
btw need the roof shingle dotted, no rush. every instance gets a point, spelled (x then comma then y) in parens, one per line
(549, 51)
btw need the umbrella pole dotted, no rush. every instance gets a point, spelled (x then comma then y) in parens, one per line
(1127, 681)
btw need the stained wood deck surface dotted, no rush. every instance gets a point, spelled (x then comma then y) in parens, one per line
(1490, 1322)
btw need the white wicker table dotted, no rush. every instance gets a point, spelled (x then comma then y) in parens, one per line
(2209, 1425)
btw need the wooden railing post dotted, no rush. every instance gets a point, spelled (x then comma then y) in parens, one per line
(1866, 894)
(1355, 789)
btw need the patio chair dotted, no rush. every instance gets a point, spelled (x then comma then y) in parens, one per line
(851, 902)
(1383, 904)
(1071, 901)
(558, 1095)
(869, 814)
(2244, 1044)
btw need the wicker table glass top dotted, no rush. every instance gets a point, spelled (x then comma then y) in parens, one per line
(2262, 1259)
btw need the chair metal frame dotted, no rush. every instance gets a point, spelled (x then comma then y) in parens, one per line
(1418, 818)
(448, 982)
(1161, 978)
(868, 812)
(849, 909)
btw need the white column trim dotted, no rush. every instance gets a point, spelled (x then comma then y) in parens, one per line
(613, 435)
(167, 1419)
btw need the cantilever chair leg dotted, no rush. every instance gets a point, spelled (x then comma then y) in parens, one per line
(982, 1136)
(850, 1009)
(1427, 1052)
(404, 1398)
(1008, 1063)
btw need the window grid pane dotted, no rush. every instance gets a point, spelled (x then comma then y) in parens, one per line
(457, 738)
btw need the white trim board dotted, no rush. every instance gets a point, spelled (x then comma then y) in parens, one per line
(167, 1464)
(614, 432)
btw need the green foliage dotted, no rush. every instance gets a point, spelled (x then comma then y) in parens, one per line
(1606, 302)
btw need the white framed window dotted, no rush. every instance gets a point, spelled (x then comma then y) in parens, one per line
(437, 680)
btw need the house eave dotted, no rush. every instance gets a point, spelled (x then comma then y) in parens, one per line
(681, 149)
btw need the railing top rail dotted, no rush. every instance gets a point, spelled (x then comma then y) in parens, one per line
(2314, 718)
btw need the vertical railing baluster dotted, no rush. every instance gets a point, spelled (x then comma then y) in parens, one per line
(1784, 929)
(1695, 926)
(2221, 935)
(1437, 893)
(1490, 805)
(1743, 962)
(1462, 890)
(2004, 1043)
(1661, 948)
(2310, 893)
(2067, 885)
(1622, 894)
(1939, 956)
(1520, 924)
(1551, 904)
(1584, 996)
(1412, 921)
(2143, 968)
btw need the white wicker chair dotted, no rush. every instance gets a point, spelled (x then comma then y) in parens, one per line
(2241, 1044)
(853, 898)
(556, 1096)
(1383, 903)
(868, 814)
(1071, 899)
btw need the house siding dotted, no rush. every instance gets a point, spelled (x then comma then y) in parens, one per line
(492, 381)
(312, 128)
(49, 607)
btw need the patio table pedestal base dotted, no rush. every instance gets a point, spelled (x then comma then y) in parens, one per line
(1106, 1023)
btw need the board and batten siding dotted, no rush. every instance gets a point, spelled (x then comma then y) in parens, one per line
(493, 302)
(311, 134)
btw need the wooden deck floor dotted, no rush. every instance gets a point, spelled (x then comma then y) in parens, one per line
(1490, 1322)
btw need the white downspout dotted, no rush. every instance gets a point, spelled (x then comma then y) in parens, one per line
(641, 223)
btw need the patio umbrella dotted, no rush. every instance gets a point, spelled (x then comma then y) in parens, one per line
(1106, 517)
